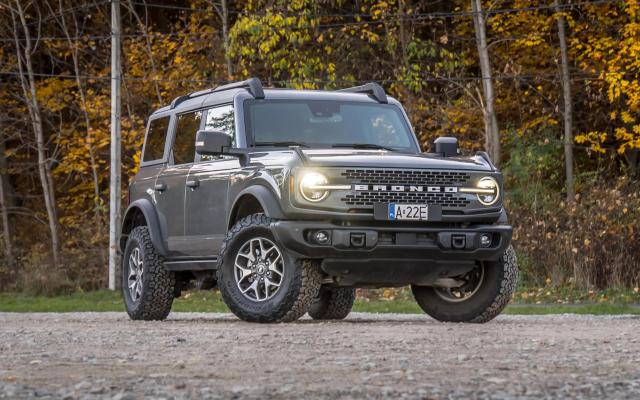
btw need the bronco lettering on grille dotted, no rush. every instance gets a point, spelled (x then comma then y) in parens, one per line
(405, 188)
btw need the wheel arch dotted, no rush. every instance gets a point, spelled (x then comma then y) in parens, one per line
(142, 213)
(252, 200)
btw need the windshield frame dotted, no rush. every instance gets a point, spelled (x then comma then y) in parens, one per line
(414, 145)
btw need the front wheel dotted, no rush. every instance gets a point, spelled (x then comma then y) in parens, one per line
(484, 292)
(258, 280)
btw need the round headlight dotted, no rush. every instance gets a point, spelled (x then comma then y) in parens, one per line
(492, 189)
(311, 187)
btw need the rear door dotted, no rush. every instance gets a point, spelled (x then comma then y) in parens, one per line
(152, 160)
(207, 200)
(170, 185)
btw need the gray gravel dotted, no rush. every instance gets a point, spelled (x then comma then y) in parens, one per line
(104, 355)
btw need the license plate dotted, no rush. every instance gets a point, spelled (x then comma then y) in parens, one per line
(412, 212)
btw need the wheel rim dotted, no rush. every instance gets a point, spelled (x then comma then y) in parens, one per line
(472, 282)
(136, 269)
(259, 269)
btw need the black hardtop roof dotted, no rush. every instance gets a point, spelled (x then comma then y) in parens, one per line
(373, 91)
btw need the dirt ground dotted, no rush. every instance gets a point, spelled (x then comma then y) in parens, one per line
(104, 355)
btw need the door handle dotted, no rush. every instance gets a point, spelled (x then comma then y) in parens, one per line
(160, 187)
(193, 184)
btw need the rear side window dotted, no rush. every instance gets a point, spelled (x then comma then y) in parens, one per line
(154, 146)
(184, 145)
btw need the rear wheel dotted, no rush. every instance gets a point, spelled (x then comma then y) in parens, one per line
(332, 303)
(148, 287)
(258, 280)
(482, 294)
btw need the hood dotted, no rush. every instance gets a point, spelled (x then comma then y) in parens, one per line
(388, 159)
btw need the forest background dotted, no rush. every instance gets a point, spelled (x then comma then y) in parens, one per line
(551, 89)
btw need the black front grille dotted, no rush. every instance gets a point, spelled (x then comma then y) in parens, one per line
(406, 177)
(368, 198)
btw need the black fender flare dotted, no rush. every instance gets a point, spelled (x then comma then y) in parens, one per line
(266, 198)
(153, 224)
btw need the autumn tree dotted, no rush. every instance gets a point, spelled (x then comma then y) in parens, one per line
(492, 131)
(24, 54)
(613, 53)
(567, 110)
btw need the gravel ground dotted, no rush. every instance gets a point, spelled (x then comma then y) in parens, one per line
(104, 355)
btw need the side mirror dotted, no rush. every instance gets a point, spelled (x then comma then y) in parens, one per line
(447, 146)
(212, 143)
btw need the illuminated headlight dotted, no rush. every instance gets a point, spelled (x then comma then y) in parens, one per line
(312, 186)
(489, 191)
(315, 187)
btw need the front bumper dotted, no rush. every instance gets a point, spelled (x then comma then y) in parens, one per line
(388, 254)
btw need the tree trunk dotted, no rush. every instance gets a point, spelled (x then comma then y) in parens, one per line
(568, 107)
(6, 228)
(402, 36)
(29, 89)
(225, 38)
(632, 156)
(492, 131)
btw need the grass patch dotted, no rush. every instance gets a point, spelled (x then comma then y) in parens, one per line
(100, 300)
(104, 300)
(573, 295)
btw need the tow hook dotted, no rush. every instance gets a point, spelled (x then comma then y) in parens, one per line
(458, 241)
(357, 239)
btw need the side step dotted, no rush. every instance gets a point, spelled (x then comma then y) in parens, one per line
(200, 264)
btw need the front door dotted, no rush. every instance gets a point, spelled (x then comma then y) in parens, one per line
(171, 185)
(207, 201)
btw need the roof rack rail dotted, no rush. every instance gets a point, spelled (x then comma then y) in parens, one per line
(373, 89)
(253, 86)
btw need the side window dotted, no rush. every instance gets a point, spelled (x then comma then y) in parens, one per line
(184, 144)
(154, 145)
(220, 119)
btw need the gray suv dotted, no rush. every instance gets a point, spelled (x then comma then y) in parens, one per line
(288, 200)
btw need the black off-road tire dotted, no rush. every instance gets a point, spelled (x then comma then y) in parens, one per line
(158, 284)
(299, 286)
(332, 303)
(499, 283)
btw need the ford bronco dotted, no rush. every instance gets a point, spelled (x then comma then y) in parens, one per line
(288, 200)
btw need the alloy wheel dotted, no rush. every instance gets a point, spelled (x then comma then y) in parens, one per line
(472, 282)
(136, 269)
(259, 269)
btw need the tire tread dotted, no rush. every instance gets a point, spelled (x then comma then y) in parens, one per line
(158, 282)
(491, 302)
(333, 303)
(297, 300)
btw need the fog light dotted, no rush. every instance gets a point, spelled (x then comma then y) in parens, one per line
(485, 240)
(321, 237)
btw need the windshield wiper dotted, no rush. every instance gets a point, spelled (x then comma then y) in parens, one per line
(364, 146)
(280, 144)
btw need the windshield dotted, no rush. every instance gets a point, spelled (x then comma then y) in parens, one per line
(322, 123)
